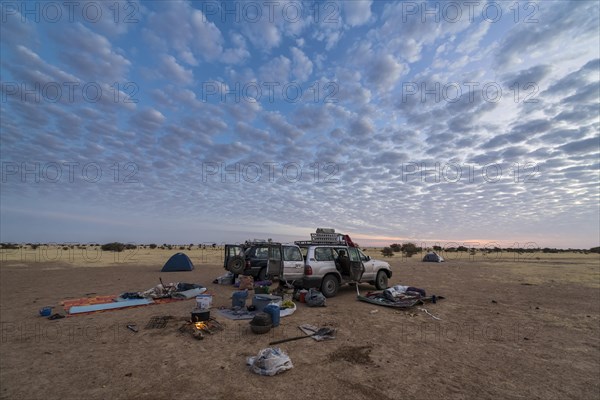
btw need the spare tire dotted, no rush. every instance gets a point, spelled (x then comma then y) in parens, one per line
(236, 265)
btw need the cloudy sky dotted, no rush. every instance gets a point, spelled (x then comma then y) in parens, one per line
(188, 122)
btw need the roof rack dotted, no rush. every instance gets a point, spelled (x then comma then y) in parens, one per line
(327, 236)
(256, 241)
(310, 243)
(323, 238)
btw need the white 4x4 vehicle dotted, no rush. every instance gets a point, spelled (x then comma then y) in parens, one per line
(331, 260)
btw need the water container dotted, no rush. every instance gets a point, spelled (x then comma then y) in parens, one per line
(238, 299)
(303, 294)
(273, 310)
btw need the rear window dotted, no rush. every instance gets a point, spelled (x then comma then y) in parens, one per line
(304, 251)
(262, 253)
(233, 251)
(259, 252)
(292, 254)
(323, 254)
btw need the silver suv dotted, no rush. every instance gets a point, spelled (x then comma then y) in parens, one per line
(331, 260)
(324, 268)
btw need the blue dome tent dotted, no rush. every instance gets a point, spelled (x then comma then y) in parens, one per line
(178, 262)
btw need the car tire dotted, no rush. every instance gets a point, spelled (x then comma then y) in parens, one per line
(330, 286)
(381, 281)
(236, 265)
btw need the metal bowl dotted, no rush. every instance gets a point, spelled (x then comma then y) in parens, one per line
(258, 329)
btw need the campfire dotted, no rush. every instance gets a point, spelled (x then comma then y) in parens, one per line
(198, 329)
(201, 326)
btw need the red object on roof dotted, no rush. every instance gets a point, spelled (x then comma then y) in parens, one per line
(349, 241)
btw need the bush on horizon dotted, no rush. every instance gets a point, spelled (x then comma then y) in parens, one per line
(387, 252)
(113, 246)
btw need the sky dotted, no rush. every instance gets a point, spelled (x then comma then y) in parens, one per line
(442, 123)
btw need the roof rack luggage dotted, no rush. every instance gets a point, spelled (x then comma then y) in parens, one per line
(324, 236)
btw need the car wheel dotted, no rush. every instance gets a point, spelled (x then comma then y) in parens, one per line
(381, 281)
(236, 265)
(330, 286)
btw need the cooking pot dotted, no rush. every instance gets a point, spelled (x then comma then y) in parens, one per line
(200, 315)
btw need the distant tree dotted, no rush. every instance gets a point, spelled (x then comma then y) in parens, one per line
(595, 250)
(396, 247)
(387, 252)
(410, 249)
(462, 248)
(152, 246)
(549, 250)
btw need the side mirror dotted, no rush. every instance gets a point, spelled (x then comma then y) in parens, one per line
(368, 258)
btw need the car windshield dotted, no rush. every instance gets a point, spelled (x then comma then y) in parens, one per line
(363, 257)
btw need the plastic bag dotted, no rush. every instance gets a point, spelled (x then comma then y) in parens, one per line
(226, 279)
(270, 361)
(314, 298)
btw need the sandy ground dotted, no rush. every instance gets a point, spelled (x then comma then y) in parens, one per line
(512, 327)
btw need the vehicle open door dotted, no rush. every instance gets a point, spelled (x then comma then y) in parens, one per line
(275, 260)
(234, 261)
(356, 265)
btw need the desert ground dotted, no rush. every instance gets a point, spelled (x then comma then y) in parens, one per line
(512, 326)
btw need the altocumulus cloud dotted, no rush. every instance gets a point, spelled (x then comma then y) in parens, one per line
(189, 122)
